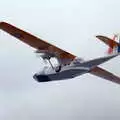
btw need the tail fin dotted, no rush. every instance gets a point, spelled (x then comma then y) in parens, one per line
(110, 49)
(114, 47)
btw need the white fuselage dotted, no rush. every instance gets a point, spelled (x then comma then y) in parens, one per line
(68, 71)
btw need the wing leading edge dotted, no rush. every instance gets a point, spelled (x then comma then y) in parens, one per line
(34, 41)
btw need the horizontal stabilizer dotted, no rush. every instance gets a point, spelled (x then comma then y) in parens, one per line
(100, 72)
(111, 43)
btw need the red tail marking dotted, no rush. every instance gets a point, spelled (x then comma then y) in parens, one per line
(110, 50)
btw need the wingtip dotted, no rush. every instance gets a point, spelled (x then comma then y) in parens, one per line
(2, 23)
(99, 36)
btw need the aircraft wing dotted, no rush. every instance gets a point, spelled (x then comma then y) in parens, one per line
(100, 72)
(34, 41)
(111, 43)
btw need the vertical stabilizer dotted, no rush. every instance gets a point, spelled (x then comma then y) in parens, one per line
(113, 48)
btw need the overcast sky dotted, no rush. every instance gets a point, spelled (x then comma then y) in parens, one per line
(71, 25)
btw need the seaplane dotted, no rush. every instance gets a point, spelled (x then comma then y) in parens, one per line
(65, 65)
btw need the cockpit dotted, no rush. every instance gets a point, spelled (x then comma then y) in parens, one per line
(49, 68)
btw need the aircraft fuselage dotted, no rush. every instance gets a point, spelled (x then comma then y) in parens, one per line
(71, 72)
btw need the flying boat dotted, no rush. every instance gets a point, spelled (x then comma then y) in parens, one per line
(67, 65)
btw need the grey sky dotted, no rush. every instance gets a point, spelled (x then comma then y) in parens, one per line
(71, 25)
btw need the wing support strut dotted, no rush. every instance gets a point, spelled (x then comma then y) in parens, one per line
(47, 56)
(57, 69)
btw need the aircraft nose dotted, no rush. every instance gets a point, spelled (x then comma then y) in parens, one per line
(41, 78)
(35, 76)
